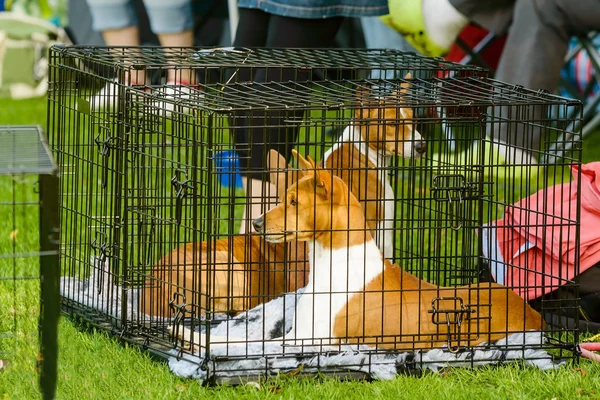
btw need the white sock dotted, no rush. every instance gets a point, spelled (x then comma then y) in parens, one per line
(514, 155)
(260, 197)
(443, 22)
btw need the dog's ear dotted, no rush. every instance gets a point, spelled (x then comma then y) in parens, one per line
(282, 179)
(322, 182)
(311, 161)
(363, 97)
(363, 93)
(303, 162)
(406, 113)
(405, 85)
(321, 177)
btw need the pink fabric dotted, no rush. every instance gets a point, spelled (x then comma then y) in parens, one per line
(537, 240)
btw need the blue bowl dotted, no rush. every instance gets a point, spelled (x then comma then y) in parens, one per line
(227, 165)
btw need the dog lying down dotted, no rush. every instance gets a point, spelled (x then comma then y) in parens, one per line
(263, 327)
(242, 270)
(355, 296)
(354, 300)
(263, 352)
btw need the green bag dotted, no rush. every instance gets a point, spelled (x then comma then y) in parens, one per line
(24, 45)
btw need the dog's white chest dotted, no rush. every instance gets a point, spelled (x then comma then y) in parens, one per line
(383, 234)
(334, 276)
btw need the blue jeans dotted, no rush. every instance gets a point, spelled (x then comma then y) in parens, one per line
(380, 36)
(315, 9)
(166, 16)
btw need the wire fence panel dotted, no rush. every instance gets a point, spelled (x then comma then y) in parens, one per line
(29, 249)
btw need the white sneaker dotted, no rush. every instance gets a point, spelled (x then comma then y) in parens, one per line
(171, 97)
(106, 98)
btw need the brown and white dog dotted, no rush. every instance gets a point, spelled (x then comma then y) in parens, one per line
(242, 271)
(362, 155)
(354, 295)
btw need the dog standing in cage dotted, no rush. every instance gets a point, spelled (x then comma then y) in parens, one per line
(354, 295)
(362, 155)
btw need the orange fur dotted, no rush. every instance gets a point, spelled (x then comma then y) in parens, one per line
(385, 129)
(360, 174)
(244, 271)
(402, 315)
(392, 310)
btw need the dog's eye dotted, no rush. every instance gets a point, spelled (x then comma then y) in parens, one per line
(293, 202)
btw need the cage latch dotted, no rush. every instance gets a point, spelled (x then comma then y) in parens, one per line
(104, 147)
(146, 229)
(181, 188)
(451, 317)
(178, 304)
(101, 253)
(453, 189)
(99, 245)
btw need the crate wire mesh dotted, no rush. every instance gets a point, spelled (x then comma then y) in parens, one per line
(148, 192)
(28, 261)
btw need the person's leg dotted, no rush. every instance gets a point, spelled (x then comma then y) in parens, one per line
(539, 37)
(252, 29)
(291, 33)
(380, 36)
(264, 131)
(493, 15)
(126, 36)
(535, 49)
(251, 32)
(173, 22)
(115, 20)
(118, 24)
(298, 32)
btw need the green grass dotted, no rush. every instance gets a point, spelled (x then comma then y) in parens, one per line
(93, 365)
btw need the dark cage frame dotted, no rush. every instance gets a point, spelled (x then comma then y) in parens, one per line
(27, 163)
(142, 178)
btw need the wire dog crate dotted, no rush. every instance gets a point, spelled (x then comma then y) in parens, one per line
(163, 184)
(29, 251)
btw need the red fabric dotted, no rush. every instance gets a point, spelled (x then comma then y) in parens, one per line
(547, 220)
(472, 35)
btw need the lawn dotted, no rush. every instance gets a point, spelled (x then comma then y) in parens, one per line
(93, 365)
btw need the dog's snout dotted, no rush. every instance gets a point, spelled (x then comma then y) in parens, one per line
(421, 146)
(259, 224)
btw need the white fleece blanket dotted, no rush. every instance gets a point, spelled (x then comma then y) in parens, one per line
(262, 355)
